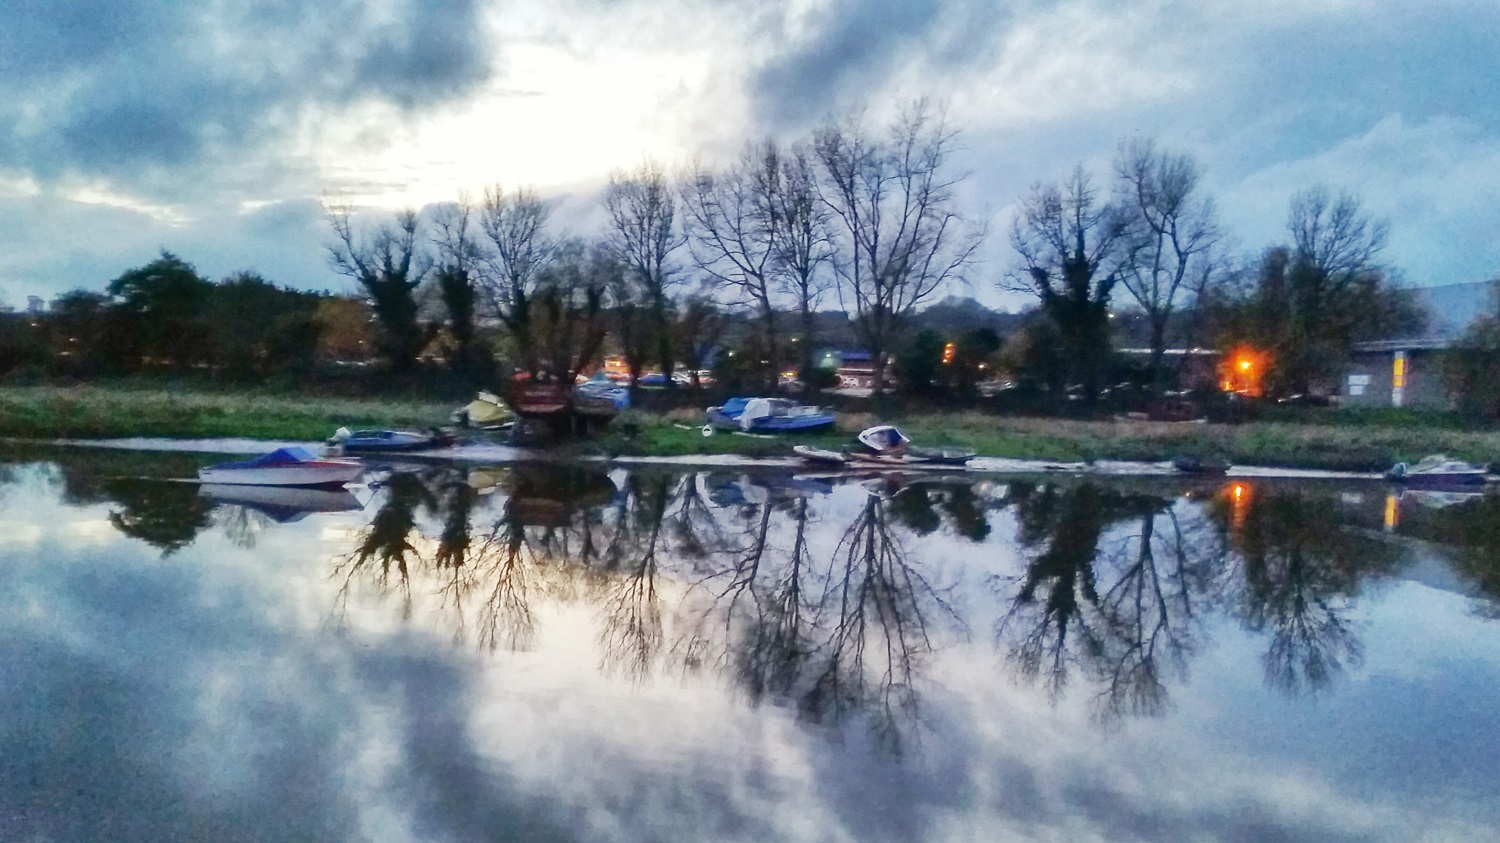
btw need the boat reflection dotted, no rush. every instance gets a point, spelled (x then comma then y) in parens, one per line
(282, 504)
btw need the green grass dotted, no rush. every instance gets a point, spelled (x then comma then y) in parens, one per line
(1361, 442)
(103, 412)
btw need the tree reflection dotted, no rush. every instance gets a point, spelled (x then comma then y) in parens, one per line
(1112, 589)
(1301, 573)
(631, 635)
(163, 514)
(1474, 527)
(838, 638)
(925, 505)
(385, 550)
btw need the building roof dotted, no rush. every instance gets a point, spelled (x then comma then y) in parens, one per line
(1452, 308)
(1413, 344)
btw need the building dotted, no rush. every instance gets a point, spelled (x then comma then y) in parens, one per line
(1408, 371)
(1398, 373)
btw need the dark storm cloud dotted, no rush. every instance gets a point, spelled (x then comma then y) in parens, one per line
(857, 44)
(114, 87)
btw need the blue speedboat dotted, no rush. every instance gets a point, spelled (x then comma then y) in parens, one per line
(768, 415)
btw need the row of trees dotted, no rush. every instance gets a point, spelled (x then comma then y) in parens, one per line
(870, 218)
(857, 217)
(868, 214)
(166, 315)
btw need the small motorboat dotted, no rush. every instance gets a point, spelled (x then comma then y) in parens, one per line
(767, 415)
(282, 467)
(1438, 471)
(385, 441)
(885, 446)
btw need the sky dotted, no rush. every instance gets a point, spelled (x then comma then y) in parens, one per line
(217, 130)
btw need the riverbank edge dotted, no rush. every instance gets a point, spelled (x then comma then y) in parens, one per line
(51, 414)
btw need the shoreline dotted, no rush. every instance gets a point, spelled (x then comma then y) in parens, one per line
(496, 454)
(90, 415)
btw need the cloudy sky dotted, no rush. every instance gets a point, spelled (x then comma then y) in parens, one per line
(216, 129)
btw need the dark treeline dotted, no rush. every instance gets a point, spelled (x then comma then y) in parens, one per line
(848, 239)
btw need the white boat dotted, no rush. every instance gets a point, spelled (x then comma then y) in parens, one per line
(1439, 471)
(282, 467)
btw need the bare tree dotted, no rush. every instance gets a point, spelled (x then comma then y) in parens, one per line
(515, 225)
(1313, 299)
(732, 223)
(643, 236)
(388, 268)
(565, 311)
(901, 235)
(1334, 234)
(1171, 232)
(457, 280)
(1071, 246)
(805, 246)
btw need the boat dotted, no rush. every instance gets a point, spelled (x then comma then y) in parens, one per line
(487, 411)
(1198, 465)
(767, 415)
(282, 467)
(1438, 471)
(386, 441)
(601, 387)
(560, 407)
(911, 458)
(283, 504)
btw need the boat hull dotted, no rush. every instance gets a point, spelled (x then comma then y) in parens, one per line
(389, 441)
(1455, 480)
(805, 423)
(320, 473)
(916, 458)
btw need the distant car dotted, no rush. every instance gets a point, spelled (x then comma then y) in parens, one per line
(653, 379)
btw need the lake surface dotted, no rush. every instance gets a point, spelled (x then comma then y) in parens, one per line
(555, 652)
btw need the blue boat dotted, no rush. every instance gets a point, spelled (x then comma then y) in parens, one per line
(767, 415)
(385, 441)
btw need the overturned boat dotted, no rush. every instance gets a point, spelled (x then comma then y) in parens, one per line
(767, 415)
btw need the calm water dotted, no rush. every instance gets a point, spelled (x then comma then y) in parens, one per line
(570, 653)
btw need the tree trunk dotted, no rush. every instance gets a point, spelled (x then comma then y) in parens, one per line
(809, 388)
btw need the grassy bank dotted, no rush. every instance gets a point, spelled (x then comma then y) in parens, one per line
(1363, 447)
(101, 412)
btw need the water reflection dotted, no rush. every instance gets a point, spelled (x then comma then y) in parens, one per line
(817, 593)
(1301, 577)
(1115, 587)
(524, 646)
